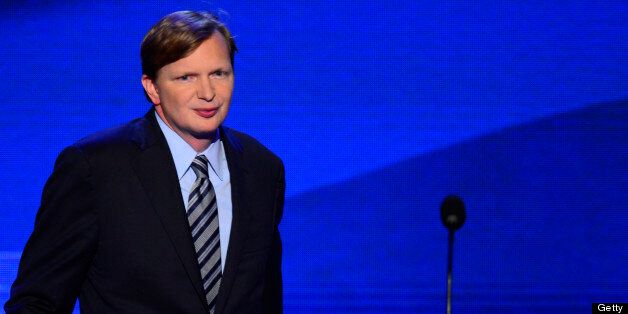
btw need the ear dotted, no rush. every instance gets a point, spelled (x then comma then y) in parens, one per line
(151, 89)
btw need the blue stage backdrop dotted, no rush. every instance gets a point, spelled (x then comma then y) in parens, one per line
(379, 109)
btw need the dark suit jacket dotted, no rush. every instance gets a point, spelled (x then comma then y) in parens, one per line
(112, 230)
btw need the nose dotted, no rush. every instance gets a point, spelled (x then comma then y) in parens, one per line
(205, 89)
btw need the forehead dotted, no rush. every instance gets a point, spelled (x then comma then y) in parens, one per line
(211, 53)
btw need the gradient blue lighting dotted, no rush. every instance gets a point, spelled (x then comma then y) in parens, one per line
(379, 109)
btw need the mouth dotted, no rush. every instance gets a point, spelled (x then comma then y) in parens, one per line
(207, 113)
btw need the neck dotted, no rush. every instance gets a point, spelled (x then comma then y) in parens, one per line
(198, 142)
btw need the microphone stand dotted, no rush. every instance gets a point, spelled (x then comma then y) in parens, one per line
(450, 258)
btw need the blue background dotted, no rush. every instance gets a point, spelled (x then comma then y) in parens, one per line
(379, 109)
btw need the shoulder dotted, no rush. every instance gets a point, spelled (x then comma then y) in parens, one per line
(251, 149)
(111, 146)
(116, 140)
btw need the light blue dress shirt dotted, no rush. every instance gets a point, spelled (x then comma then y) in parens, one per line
(183, 154)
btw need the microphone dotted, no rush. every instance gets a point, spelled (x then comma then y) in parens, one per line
(452, 212)
(453, 215)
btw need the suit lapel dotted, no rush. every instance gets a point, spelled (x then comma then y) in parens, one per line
(239, 223)
(155, 168)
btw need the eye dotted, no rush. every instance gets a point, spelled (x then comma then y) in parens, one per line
(183, 78)
(220, 74)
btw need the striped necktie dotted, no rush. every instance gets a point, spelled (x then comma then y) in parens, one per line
(203, 219)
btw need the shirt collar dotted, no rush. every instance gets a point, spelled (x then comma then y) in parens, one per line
(183, 154)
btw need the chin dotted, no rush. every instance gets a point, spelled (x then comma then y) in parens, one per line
(205, 133)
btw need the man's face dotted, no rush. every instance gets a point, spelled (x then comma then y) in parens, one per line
(192, 95)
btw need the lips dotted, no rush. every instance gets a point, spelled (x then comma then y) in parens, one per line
(206, 113)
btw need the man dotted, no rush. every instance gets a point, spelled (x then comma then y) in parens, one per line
(171, 213)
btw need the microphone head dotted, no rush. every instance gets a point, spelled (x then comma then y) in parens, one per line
(452, 212)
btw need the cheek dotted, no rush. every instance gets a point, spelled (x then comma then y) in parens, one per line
(225, 88)
(177, 99)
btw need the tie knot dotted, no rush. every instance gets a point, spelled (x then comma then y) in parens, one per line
(199, 166)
